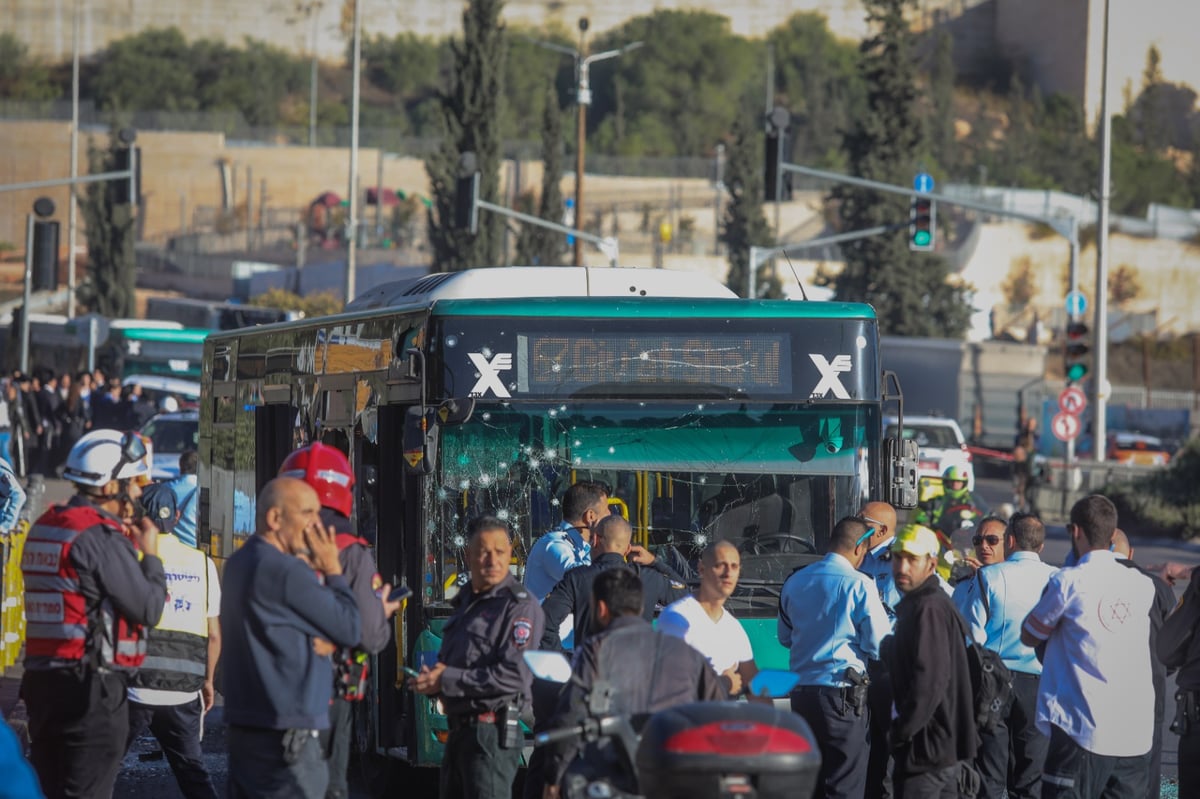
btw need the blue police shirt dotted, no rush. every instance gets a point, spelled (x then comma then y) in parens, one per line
(878, 566)
(1011, 588)
(186, 489)
(553, 555)
(830, 618)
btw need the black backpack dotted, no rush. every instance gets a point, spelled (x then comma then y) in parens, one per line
(991, 680)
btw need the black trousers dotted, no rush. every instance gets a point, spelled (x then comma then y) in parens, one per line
(842, 736)
(474, 766)
(276, 764)
(941, 784)
(879, 761)
(177, 730)
(78, 723)
(1189, 763)
(336, 742)
(1072, 772)
(1011, 756)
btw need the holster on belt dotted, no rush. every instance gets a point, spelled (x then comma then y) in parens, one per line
(1186, 718)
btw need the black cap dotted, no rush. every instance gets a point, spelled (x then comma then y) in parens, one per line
(159, 502)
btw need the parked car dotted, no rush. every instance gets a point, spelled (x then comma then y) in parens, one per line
(940, 443)
(156, 388)
(171, 435)
(1138, 449)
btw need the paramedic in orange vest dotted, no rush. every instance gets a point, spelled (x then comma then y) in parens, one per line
(89, 595)
(327, 470)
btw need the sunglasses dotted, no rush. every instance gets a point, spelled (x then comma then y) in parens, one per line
(870, 532)
(992, 540)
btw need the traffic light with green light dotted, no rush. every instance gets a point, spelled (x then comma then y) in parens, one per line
(921, 223)
(1076, 351)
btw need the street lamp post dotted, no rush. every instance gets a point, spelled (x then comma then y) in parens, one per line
(352, 222)
(583, 97)
(1100, 382)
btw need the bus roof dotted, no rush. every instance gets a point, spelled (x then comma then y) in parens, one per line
(542, 281)
(660, 307)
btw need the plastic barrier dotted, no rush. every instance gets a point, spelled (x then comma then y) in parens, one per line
(12, 606)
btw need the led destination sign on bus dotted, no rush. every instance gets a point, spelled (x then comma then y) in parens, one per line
(560, 363)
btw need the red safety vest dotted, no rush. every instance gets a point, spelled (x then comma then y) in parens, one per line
(57, 622)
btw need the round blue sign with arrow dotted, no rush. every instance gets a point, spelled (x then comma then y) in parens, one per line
(1076, 303)
(923, 182)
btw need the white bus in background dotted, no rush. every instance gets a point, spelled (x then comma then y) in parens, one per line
(213, 315)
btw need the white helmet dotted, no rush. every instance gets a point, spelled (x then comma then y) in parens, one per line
(104, 455)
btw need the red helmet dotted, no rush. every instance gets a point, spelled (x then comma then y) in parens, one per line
(327, 470)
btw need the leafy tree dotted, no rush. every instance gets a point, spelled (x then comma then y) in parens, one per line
(537, 245)
(942, 139)
(109, 288)
(745, 224)
(322, 303)
(673, 96)
(470, 123)
(253, 80)
(21, 77)
(910, 291)
(530, 70)
(817, 79)
(147, 70)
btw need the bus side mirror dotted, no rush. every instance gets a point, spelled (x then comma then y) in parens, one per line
(901, 458)
(420, 440)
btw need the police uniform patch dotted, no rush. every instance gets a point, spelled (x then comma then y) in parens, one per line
(522, 631)
(376, 582)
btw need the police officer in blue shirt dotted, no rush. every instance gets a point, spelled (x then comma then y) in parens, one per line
(569, 545)
(1011, 755)
(832, 622)
(877, 564)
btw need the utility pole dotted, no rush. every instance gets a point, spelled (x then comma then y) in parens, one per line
(71, 203)
(583, 99)
(1100, 386)
(352, 222)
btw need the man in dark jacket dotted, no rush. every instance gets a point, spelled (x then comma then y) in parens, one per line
(1179, 648)
(611, 545)
(273, 606)
(632, 658)
(933, 735)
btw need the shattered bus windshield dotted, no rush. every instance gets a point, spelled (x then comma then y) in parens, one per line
(773, 479)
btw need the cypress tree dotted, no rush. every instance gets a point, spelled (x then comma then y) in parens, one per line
(470, 122)
(109, 287)
(745, 224)
(535, 245)
(909, 290)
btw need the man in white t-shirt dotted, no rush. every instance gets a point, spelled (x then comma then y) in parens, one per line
(702, 621)
(1096, 695)
(174, 688)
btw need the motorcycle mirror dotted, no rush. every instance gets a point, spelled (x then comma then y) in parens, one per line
(549, 666)
(773, 683)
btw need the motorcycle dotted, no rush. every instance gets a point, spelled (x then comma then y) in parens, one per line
(691, 751)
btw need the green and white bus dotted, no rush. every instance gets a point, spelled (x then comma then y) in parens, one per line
(711, 417)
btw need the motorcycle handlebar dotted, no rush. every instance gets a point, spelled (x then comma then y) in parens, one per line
(561, 734)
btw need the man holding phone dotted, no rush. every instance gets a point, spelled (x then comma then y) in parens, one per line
(327, 471)
(273, 608)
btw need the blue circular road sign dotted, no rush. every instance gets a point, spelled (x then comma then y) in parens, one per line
(923, 182)
(1076, 303)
